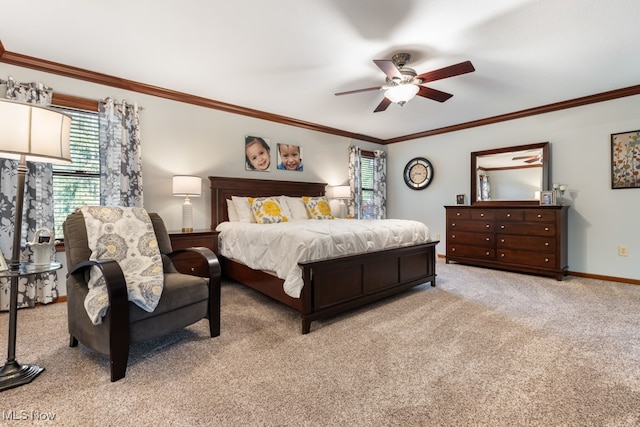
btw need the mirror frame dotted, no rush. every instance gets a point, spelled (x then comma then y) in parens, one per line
(546, 168)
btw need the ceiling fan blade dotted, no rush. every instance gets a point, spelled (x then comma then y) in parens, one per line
(450, 71)
(383, 105)
(434, 94)
(388, 67)
(358, 90)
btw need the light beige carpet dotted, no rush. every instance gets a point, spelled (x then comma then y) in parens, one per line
(483, 348)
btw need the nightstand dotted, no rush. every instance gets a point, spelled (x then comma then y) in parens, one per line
(190, 262)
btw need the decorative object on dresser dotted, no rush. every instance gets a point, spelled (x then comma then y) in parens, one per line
(188, 262)
(187, 186)
(528, 239)
(34, 133)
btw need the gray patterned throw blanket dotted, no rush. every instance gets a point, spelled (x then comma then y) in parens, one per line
(127, 236)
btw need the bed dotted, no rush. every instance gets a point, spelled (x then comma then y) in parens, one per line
(331, 285)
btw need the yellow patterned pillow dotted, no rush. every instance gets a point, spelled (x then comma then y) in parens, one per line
(317, 207)
(267, 210)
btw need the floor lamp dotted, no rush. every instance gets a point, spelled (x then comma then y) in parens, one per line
(34, 133)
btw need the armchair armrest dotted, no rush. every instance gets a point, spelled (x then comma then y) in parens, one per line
(118, 299)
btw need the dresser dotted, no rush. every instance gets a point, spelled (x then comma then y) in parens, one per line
(192, 262)
(527, 238)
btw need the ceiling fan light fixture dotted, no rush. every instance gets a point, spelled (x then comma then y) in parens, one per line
(400, 94)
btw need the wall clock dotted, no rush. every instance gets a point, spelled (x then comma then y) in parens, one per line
(418, 173)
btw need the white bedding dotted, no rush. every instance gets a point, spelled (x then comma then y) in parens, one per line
(279, 248)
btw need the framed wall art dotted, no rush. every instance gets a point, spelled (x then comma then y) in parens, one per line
(625, 160)
(257, 153)
(290, 157)
(460, 199)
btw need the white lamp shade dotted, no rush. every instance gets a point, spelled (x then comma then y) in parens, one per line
(186, 185)
(341, 192)
(38, 133)
(401, 93)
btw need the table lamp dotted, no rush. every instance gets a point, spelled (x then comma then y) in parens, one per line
(185, 185)
(35, 133)
(342, 193)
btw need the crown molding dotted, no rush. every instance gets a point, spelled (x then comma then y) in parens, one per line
(107, 80)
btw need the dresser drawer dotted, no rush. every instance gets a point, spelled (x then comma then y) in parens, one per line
(458, 214)
(470, 238)
(478, 226)
(534, 259)
(529, 243)
(539, 215)
(465, 251)
(526, 228)
(510, 215)
(482, 215)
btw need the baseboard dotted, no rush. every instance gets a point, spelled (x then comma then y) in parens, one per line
(590, 276)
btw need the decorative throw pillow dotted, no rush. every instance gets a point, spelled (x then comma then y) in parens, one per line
(243, 207)
(317, 207)
(296, 207)
(267, 210)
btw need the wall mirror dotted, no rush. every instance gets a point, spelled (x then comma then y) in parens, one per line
(510, 175)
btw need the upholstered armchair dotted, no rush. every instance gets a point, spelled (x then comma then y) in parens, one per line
(185, 299)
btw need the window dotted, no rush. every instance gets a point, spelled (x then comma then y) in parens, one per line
(78, 183)
(367, 168)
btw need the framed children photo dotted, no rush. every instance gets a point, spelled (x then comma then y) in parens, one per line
(625, 160)
(290, 157)
(548, 198)
(460, 199)
(257, 153)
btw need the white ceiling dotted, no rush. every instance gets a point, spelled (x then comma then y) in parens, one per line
(289, 57)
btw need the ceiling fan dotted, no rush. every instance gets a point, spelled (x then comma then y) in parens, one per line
(403, 83)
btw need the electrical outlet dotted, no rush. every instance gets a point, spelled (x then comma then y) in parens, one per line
(436, 236)
(623, 250)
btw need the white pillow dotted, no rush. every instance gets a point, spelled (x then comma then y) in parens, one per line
(243, 207)
(232, 212)
(296, 207)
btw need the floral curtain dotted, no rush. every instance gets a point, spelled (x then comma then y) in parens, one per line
(379, 184)
(121, 159)
(354, 204)
(377, 209)
(37, 210)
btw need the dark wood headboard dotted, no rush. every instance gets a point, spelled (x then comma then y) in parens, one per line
(223, 188)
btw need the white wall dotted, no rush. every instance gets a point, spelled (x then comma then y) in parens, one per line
(599, 218)
(183, 139)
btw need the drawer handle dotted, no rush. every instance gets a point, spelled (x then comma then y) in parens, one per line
(453, 225)
(546, 229)
(487, 253)
(508, 215)
(501, 240)
(453, 249)
(458, 213)
(482, 214)
(487, 239)
(488, 226)
(193, 269)
(539, 215)
(546, 260)
(453, 236)
(546, 243)
(502, 255)
(502, 226)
